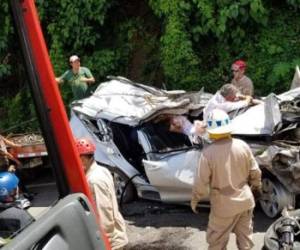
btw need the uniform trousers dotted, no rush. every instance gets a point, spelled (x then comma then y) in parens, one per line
(219, 229)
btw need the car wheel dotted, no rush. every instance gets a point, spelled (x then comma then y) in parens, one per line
(121, 181)
(274, 197)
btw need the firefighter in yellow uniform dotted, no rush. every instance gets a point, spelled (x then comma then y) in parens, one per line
(102, 187)
(229, 173)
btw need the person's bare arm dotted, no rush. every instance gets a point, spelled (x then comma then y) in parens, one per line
(201, 183)
(254, 179)
(59, 80)
(10, 143)
(229, 105)
(88, 80)
(250, 99)
(200, 127)
(62, 78)
(256, 101)
(10, 157)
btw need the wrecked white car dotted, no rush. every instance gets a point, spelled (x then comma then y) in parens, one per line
(122, 118)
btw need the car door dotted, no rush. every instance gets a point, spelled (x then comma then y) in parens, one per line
(170, 166)
(107, 152)
(70, 224)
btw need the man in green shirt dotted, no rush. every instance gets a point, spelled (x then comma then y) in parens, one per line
(78, 77)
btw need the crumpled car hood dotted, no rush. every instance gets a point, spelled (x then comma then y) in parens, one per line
(282, 160)
(126, 102)
(258, 120)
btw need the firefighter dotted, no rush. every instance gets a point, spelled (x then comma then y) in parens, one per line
(229, 179)
(102, 187)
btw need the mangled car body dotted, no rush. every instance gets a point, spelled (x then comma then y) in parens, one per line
(123, 119)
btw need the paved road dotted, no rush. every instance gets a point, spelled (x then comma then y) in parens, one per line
(153, 225)
(159, 226)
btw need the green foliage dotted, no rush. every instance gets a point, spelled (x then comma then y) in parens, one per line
(220, 32)
(5, 35)
(20, 113)
(217, 18)
(276, 53)
(73, 27)
(179, 60)
(200, 29)
(187, 44)
(294, 3)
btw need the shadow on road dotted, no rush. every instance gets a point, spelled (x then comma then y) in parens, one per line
(154, 214)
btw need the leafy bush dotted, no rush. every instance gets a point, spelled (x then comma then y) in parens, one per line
(19, 112)
(186, 44)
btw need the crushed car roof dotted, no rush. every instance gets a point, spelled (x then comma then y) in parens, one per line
(126, 102)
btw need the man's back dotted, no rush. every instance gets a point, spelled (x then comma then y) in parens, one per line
(227, 169)
(219, 102)
(102, 186)
(229, 173)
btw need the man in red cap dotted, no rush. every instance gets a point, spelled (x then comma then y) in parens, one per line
(240, 80)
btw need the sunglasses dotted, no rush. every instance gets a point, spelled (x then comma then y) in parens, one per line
(234, 71)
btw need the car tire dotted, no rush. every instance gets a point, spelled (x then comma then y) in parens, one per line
(274, 197)
(121, 181)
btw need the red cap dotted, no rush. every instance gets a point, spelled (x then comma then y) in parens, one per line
(240, 64)
(85, 146)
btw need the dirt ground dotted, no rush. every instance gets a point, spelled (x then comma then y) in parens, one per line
(153, 225)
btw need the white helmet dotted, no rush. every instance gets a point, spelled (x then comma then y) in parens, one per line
(218, 122)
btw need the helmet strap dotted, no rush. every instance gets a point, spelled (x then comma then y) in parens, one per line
(219, 136)
(90, 162)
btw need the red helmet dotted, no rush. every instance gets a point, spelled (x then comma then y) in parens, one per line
(240, 64)
(85, 146)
